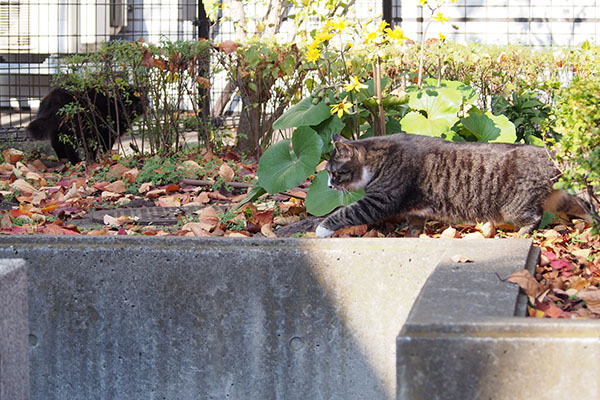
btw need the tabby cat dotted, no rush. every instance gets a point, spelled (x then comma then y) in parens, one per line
(99, 121)
(423, 177)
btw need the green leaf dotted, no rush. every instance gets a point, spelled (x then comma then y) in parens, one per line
(416, 123)
(489, 128)
(280, 170)
(326, 129)
(320, 200)
(441, 106)
(469, 94)
(252, 195)
(303, 113)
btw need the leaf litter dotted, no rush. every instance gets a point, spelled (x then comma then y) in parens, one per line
(36, 199)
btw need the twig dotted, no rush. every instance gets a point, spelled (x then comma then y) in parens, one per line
(197, 182)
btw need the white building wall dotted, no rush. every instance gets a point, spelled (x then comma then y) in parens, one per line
(531, 22)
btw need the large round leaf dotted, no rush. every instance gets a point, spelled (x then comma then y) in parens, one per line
(304, 113)
(490, 128)
(280, 169)
(441, 106)
(416, 123)
(468, 93)
(327, 128)
(321, 200)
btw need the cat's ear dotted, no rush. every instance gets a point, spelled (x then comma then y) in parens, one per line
(337, 138)
(344, 150)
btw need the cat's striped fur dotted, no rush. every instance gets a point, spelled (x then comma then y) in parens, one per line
(429, 178)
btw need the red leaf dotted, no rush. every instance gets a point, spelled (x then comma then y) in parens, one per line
(561, 264)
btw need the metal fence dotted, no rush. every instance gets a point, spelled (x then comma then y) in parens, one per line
(36, 34)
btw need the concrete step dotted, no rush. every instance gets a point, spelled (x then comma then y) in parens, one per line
(466, 338)
(196, 318)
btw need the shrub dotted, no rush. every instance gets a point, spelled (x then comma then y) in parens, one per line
(577, 121)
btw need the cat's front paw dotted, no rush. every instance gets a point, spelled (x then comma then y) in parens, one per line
(323, 232)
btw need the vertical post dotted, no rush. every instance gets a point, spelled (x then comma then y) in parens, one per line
(14, 330)
(387, 11)
(203, 24)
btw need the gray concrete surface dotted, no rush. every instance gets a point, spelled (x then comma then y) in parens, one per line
(462, 340)
(177, 318)
(14, 368)
(181, 318)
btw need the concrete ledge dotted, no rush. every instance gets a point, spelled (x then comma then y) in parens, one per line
(462, 341)
(191, 318)
(14, 368)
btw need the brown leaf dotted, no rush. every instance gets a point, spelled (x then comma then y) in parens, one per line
(267, 231)
(191, 165)
(474, 235)
(131, 175)
(458, 258)
(12, 156)
(357, 230)
(591, 296)
(488, 230)
(228, 46)
(169, 201)
(23, 186)
(226, 172)
(528, 283)
(450, 233)
(203, 82)
(116, 187)
(171, 188)
(198, 228)
(145, 187)
(208, 217)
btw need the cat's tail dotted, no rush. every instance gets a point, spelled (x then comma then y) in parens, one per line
(41, 128)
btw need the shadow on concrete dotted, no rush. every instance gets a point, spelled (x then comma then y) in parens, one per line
(172, 318)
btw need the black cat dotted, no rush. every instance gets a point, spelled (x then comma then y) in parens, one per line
(98, 125)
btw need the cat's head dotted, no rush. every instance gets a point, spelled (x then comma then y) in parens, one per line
(346, 168)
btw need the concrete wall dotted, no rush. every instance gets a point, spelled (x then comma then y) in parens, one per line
(14, 370)
(462, 341)
(172, 318)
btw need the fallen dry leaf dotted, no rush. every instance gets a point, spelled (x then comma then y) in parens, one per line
(226, 172)
(131, 175)
(267, 231)
(591, 296)
(488, 230)
(474, 235)
(526, 281)
(12, 155)
(458, 258)
(145, 187)
(197, 228)
(450, 233)
(116, 187)
(23, 186)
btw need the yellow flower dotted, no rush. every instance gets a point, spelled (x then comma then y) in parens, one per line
(442, 37)
(354, 85)
(439, 17)
(323, 36)
(341, 107)
(369, 37)
(313, 53)
(422, 2)
(396, 35)
(339, 24)
(383, 25)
